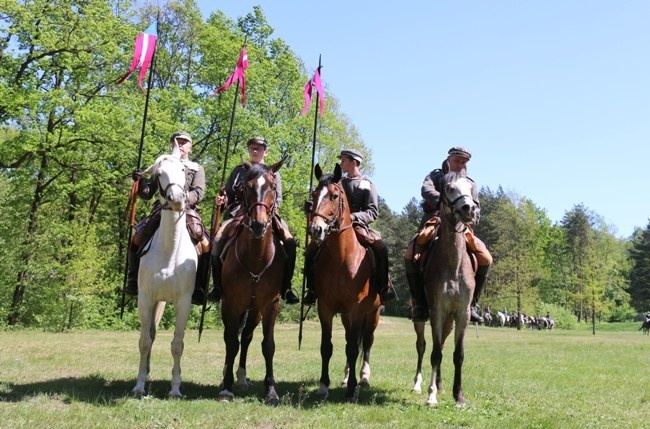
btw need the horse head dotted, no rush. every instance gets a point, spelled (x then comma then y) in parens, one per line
(457, 198)
(170, 173)
(329, 205)
(259, 193)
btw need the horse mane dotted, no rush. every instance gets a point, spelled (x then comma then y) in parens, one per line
(452, 176)
(255, 171)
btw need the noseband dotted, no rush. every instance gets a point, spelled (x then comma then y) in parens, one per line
(163, 194)
(334, 223)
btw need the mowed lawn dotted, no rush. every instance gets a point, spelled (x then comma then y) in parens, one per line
(511, 379)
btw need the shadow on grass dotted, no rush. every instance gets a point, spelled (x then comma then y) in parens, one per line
(99, 391)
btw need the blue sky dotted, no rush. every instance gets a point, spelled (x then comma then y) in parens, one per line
(551, 97)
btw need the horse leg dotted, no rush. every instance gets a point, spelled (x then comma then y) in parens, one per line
(420, 346)
(436, 358)
(459, 356)
(183, 309)
(372, 320)
(346, 375)
(250, 324)
(352, 344)
(326, 348)
(147, 334)
(231, 338)
(268, 350)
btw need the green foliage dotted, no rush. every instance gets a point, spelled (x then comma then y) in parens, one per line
(70, 137)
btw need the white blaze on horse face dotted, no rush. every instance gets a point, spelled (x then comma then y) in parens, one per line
(318, 226)
(461, 196)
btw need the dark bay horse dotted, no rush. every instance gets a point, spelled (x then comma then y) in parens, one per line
(251, 279)
(342, 273)
(449, 282)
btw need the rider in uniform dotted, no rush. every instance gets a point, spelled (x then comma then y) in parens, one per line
(457, 159)
(362, 197)
(195, 190)
(258, 149)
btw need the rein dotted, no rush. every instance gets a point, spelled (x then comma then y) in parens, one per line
(270, 211)
(255, 278)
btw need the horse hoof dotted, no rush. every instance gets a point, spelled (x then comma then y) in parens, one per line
(273, 401)
(175, 395)
(351, 399)
(364, 383)
(226, 396)
(417, 390)
(137, 394)
(323, 392)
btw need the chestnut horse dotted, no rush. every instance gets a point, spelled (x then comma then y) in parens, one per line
(251, 279)
(342, 274)
(167, 270)
(448, 282)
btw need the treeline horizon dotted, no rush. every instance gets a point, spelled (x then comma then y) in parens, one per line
(69, 142)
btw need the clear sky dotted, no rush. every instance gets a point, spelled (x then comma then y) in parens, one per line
(552, 97)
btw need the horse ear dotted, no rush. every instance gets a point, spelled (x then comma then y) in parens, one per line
(275, 167)
(176, 150)
(318, 171)
(247, 164)
(150, 170)
(337, 173)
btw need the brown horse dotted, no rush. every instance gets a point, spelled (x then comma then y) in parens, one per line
(342, 274)
(448, 282)
(251, 279)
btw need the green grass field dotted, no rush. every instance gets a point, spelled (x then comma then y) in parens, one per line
(511, 379)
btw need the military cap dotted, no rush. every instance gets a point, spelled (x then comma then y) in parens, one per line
(352, 153)
(180, 135)
(460, 151)
(258, 140)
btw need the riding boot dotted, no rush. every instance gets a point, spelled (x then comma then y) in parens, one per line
(480, 280)
(201, 283)
(419, 311)
(289, 265)
(132, 275)
(215, 293)
(310, 293)
(382, 280)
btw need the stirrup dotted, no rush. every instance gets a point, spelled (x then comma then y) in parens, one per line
(290, 297)
(387, 295)
(309, 298)
(131, 288)
(215, 294)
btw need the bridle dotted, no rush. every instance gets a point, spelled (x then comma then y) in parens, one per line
(452, 212)
(270, 208)
(270, 211)
(334, 223)
(163, 193)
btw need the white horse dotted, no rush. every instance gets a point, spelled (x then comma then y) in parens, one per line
(167, 270)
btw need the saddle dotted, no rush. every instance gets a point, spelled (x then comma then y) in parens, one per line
(146, 228)
(427, 239)
(233, 233)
